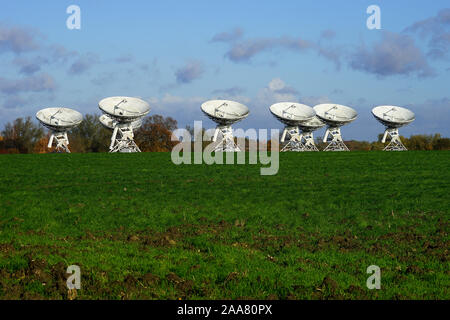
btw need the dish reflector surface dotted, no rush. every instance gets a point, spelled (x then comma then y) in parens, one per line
(393, 116)
(225, 112)
(292, 114)
(124, 108)
(335, 115)
(59, 118)
(111, 123)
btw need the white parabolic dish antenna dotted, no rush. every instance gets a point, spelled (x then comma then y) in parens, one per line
(59, 118)
(125, 113)
(125, 109)
(59, 121)
(225, 113)
(292, 115)
(335, 116)
(393, 117)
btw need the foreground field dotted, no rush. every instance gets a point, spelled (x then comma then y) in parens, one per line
(140, 227)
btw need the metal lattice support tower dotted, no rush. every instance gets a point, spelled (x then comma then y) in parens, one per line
(61, 140)
(122, 140)
(227, 143)
(295, 140)
(395, 144)
(309, 144)
(336, 143)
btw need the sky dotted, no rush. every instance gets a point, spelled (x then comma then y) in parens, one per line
(178, 54)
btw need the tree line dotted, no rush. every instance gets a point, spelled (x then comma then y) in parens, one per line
(24, 135)
(414, 142)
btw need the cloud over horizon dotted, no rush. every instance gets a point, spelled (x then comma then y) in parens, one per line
(124, 58)
(84, 63)
(191, 71)
(437, 30)
(276, 91)
(17, 39)
(233, 91)
(394, 54)
(37, 83)
(244, 50)
(432, 116)
(231, 36)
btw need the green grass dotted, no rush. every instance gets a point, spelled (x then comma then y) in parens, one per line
(142, 228)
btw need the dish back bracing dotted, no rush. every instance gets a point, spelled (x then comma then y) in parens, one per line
(111, 123)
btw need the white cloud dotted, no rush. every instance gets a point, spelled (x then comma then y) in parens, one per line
(276, 91)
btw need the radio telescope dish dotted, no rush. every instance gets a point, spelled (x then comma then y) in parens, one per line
(124, 109)
(292, 115)
(59, 121)
(335, 116)
(123, 114)
(225, 113)
(393, 118)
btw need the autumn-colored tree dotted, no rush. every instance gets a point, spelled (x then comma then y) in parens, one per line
(20, 136)
(442, 144)
(427, 142)
(41, 145)
(155, 134)
(9, 151)
(269, 145)
(378, 145)
(418, 142)
(358, 145)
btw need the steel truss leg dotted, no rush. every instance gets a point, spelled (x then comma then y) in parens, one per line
(309, 143)
(295, 140)
(336, 143)
(122, 140)
(226, 144)
(395, 144)
(61, 140)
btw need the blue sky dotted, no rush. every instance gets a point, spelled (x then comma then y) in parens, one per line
(177, 54)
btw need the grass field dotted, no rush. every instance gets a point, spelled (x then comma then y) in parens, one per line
(140, 227)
